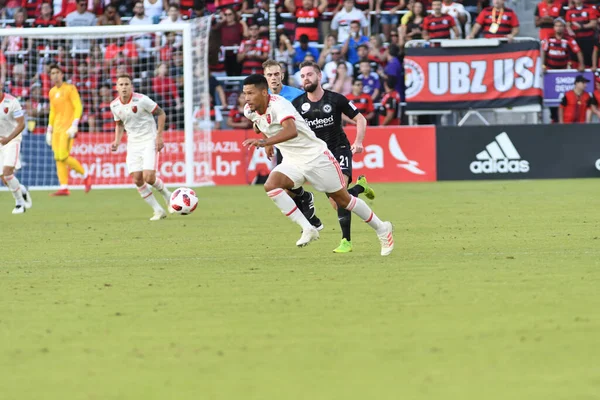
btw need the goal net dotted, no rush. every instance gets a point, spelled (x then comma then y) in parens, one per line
(168, 62)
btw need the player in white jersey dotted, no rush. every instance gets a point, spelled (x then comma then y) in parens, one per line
(134, 113)
(305, 158)
(12, 123)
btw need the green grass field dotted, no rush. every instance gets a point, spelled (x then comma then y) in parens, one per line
(492, 292)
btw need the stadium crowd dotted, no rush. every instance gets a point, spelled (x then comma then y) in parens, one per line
(359, 44)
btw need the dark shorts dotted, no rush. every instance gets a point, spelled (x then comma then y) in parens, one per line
(343, 155)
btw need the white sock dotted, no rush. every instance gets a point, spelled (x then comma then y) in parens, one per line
(15, 187)
(288, 207)
(148, 197)
(62, 187)
(160, 186)
(360, 208)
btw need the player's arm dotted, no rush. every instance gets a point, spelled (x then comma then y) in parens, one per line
(349, 109)
(77, 111)
(361, 131)
(50, 125)
(18, 129)
(119, 130)
(287, 133)
(160, 127)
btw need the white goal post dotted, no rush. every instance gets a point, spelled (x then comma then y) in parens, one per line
(168, 62)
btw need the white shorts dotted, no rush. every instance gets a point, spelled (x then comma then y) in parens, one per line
(9, 155)
(142, 156)
(324, 173)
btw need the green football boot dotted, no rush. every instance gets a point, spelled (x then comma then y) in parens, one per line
(344, 247)
(369, 192)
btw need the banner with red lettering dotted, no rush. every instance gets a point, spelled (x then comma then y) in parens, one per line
(506, 75)
(392, 154)
(396, 154)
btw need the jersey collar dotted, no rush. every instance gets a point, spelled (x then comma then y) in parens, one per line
(129, 101)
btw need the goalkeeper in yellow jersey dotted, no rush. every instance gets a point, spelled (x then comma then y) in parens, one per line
(65, 111)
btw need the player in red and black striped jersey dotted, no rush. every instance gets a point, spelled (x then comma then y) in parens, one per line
(496, 22)
(576, 104)
(545, 13)
(557, 51)
(581, 24)
(437, 25)
(253, 52)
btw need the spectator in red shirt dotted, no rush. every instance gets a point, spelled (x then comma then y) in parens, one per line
(96, 62)
(253, 52)
(236, 118)
(32, 7)
(557, 51)
(576, 104)
(496, 22)
(437, 25)
(581, 24)
(19, 84)
(390, 103)
(545, 14)
(165, 88)
(307, 19)
(362, 101)
(86, 85)
(45, 19)
(231, 32)
(104, 117)
(37, 109)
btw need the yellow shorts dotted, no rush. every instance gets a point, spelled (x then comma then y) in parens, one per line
(61, 145)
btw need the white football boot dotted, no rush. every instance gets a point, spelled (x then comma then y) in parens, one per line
(158, 215)
(19, 209)
(386, 238)
(308, 235)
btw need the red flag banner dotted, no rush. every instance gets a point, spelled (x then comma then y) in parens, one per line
(507, 75)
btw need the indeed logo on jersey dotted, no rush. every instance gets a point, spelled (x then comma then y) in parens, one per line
(500, 156)
(320, 122)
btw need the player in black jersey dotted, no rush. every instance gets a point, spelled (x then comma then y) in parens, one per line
(322, 110)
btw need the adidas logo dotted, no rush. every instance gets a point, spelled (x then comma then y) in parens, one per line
(500, 156)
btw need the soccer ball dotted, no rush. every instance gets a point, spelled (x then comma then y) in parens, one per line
(183, 201)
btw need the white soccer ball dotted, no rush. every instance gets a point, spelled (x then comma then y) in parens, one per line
(183, 201)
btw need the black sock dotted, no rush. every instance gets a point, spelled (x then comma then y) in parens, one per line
(356, 190)
(344, 217)
(299, 192)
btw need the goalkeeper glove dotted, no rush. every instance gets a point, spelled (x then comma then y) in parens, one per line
(72, 131)
(49, 136)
